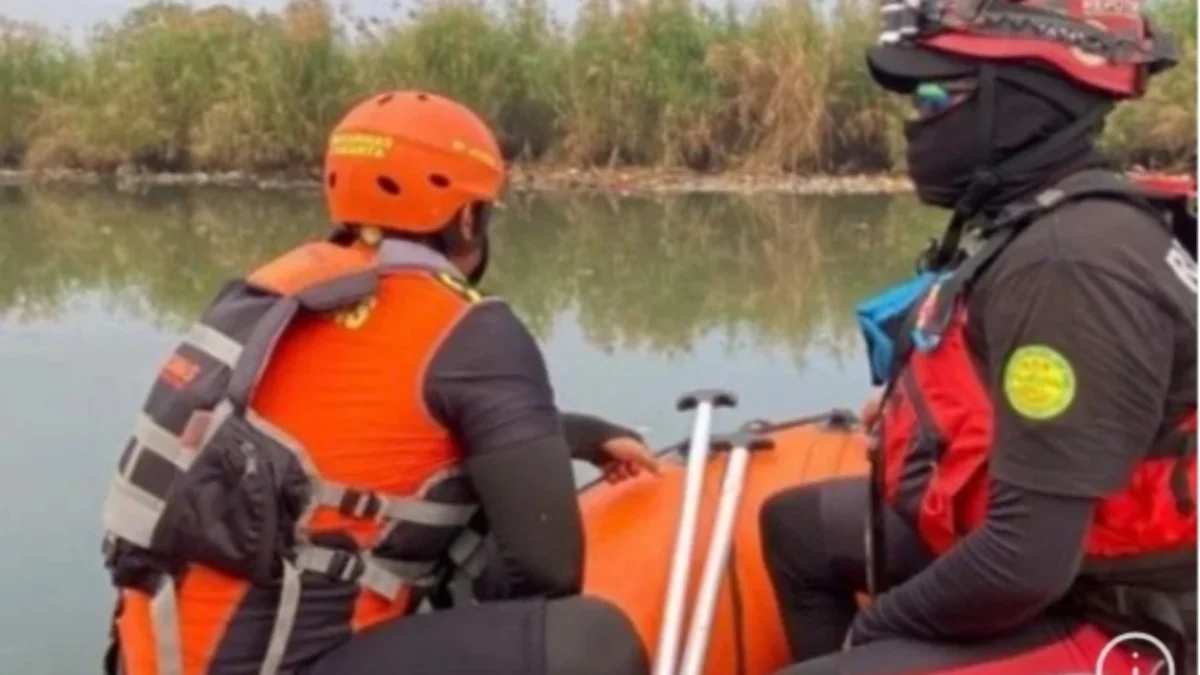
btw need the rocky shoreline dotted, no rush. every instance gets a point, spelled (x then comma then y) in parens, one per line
(622, 182)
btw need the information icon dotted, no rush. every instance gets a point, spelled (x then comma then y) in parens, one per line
(1164, 664)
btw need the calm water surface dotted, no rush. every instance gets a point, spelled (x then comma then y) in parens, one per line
(634, 301)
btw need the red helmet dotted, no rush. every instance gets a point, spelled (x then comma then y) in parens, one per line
(409, 161)
(1108, 45)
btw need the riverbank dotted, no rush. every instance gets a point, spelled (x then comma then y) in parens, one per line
(634, 83)
(523, 177)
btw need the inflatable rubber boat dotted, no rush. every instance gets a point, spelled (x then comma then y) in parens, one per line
(637, 528)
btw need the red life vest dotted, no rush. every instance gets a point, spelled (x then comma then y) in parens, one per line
(937, 429)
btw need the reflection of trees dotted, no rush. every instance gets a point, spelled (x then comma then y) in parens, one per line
(161, 255)
(659, 274)
(640, 273)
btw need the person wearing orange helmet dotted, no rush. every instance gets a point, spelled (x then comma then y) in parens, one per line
(1032, 498)
(353, 462)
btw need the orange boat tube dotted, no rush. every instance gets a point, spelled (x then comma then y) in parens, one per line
(631, 530)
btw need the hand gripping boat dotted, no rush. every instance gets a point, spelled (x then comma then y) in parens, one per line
(686, 544)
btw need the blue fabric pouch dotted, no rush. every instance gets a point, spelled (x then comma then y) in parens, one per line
(882, 317)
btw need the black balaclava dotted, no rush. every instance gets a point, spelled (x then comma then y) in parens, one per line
(1046, 126)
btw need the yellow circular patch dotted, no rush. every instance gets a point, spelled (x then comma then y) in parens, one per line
(1039, 382)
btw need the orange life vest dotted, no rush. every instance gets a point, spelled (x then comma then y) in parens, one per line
(285, 444)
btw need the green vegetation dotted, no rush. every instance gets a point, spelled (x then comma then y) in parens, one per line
(633, 82)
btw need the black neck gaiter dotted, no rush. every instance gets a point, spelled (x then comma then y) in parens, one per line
(945, 151)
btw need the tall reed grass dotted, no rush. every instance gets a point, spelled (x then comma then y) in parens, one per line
(666, 83)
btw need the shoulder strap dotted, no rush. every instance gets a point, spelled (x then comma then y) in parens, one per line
(398, 254)
(320, 274)
(1012, 221)
(1087, 184)
(323, 276)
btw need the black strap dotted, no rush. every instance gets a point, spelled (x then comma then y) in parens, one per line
(876, 536)
(1013, 219)
(1031, 159)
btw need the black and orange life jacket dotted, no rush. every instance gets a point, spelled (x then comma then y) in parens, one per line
(935, 432)
(286, 444)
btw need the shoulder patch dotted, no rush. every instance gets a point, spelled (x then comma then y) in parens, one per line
(462, 289)
(1039, 382)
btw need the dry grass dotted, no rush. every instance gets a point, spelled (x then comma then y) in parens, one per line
(661, 83)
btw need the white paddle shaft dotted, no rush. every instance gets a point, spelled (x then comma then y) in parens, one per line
(718, 554)
(685, 540)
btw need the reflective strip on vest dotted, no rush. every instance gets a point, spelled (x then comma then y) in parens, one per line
(130, 512)
(163, 443)
(164, 615)
(214, 343)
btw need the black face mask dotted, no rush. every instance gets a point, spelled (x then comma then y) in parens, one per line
(945, 151)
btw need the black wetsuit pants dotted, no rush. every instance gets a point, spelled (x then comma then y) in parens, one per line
(570, 636)
(813, 541)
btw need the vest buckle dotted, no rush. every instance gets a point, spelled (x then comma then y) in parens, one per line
(360, 504)
(346, 566)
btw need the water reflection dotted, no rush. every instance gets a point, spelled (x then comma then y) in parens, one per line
(647, 274)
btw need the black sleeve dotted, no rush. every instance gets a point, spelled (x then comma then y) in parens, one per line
(587, 433)
(1079, 363)
(528, 495)
(1024, 557)
(488, 383)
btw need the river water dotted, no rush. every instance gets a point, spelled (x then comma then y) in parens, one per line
(633, 300)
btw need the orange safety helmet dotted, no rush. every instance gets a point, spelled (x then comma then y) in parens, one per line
(410, 161)
(1107, 45)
